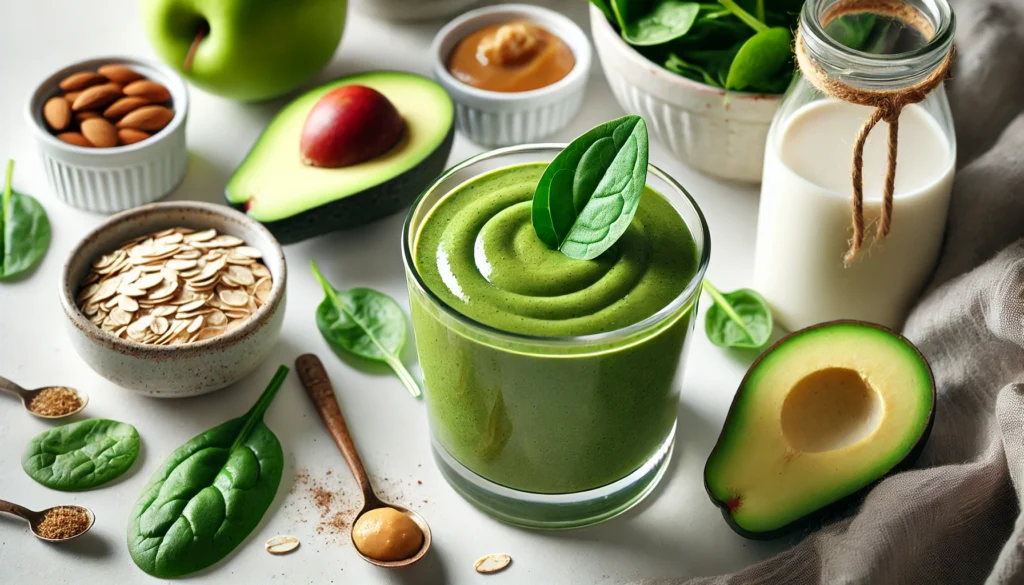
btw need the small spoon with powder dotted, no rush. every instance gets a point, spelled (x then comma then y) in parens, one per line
(57, 524)
(48, 402)
(386, 535)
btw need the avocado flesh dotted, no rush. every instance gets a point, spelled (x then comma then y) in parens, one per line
(297, 201)
(825, 413)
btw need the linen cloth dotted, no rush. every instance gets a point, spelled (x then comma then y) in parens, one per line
(955, 517)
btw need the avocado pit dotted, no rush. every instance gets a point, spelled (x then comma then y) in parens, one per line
(349, 125)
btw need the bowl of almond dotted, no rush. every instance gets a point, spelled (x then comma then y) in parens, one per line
(175, 298)
(111, 132)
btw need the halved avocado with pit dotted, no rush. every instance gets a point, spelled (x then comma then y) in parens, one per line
(821, 416)
(296, 201)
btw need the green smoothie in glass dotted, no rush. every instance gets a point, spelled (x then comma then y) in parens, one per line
(547, 374)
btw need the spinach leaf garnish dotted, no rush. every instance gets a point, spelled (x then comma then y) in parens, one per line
(669, 20)
(82, 455)
(209, 494)
(365, 323)
(24, 230)
(590, 191)
(739, 319)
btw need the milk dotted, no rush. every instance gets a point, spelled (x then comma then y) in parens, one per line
(804, 225)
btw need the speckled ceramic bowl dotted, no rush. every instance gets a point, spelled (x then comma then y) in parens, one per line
(180, 370)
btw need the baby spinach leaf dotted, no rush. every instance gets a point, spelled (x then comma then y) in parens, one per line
(24, 230)
(588, 194)
(366, 323)
(605, 7)
(747, 18)
(739, 319)
(209, 494)
(761, 61)
(670, 19)
(82, 455)
(676, 64)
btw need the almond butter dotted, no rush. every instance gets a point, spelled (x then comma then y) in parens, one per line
(80, 116)
(99, 132)
(150, 90)
(57, 113)
(150, 118)
(123, 106)
(71, 96)
(131, 135)
(81, 80)
(74, 138)
(97, 96)
(119, 74)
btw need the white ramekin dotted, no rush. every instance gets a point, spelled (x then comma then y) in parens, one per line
(113, 179)
(493, 118)
(404, 10)
(721, 133)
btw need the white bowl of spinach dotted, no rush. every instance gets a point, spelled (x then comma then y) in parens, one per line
(707, 76)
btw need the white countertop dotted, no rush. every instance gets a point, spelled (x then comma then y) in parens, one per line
(675, 532)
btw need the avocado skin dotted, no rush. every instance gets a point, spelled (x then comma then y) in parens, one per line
(364, 207)
(842, 503)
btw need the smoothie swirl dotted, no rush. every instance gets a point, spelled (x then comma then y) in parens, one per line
(478, 251)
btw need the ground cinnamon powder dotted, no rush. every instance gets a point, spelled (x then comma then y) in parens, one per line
(56, 401)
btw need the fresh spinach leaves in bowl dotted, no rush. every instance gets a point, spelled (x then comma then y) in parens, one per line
(737, 45)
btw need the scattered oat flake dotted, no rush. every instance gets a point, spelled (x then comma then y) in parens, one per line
(492, 563)
(282, 545)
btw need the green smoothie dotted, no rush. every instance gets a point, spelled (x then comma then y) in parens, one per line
(545, 415)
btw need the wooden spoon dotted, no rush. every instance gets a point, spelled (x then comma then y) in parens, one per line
(318, 386)
(34, 518)
(27, 395)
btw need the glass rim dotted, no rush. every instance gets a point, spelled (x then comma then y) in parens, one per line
(566, 340)
(934, 49)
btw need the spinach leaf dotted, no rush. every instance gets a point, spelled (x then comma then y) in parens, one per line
(737, 319)
(82, 455)
(209, 494)
(606, 8)
(676, 64)
(669, 20)
(761, 62)
(24, 231)
(590, 191)
(366, 323)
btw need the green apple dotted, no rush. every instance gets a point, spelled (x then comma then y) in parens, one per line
(245, 49)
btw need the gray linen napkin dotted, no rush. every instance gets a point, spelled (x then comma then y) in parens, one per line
(955, 518)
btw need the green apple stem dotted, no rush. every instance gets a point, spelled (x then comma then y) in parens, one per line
(195, 45)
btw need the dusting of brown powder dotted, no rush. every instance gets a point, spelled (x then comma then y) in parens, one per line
(55, 401)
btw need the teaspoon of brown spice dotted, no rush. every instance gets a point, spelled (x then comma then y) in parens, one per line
(48, 402)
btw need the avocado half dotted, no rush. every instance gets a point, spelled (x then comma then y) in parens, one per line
(820, 416)
(296, 201)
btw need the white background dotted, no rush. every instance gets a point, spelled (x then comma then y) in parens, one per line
(676, 532)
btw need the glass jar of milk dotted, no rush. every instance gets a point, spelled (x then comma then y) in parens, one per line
(804, 224)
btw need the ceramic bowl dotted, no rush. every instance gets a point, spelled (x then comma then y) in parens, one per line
(180, 370)
(411, 10)
(721, 133)
(113, 179)
(494, 118)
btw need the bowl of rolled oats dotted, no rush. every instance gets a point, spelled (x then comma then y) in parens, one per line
(176, 298)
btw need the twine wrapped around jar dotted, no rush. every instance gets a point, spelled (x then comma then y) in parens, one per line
(888, 105)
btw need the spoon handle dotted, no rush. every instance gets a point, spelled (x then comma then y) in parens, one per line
(12, 508)
(11, 388)
(314, 378)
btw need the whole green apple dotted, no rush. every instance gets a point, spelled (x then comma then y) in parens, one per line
(245, 49)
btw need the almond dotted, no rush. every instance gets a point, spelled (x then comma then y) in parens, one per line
(119, 74)
(74, 138)
(131, 135)
(71, 96)
(98, 96)
(123, 106)
(150, 118)
(57, 113)
(80, 116)
(99, 132)
(150, 90)
(81, 80)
